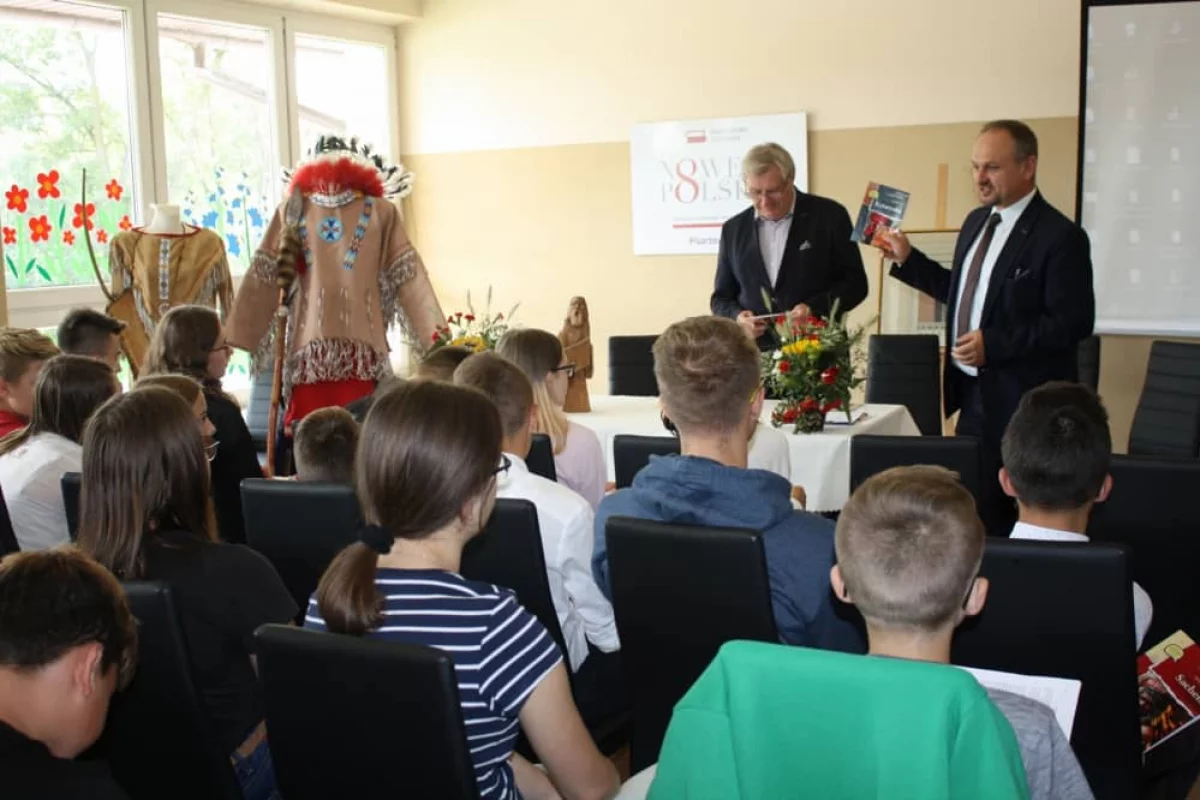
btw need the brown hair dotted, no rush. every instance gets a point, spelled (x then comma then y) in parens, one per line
(707, 370)
(69, 389)
(504, 383)
(441, 363)
(182, 342)
(144, 472)
(20, 347)
(537, 352)
(55, 600)
(427, 448)
(909, 543)
(86, 332)
(185, 386)
(1025, 143)
(324, 446)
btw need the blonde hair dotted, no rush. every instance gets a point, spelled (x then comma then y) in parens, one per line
(707, 370)
(537, 352)
(20, 347)
(762, 157)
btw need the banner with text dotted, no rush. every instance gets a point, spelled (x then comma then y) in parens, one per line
(687, 177)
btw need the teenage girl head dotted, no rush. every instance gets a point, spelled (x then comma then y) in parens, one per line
(539, 354)
(188, 340)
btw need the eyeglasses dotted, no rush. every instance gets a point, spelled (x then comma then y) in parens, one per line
(567, 368)
(773, 194)
(210, 450)
(227, 347)
(505, 463)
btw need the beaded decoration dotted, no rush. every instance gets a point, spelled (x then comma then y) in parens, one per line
(164, 276)
(331, 230)
(360, 230)
(334, 200)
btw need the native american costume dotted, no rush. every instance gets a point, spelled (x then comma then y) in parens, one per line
(357, 274)
(576, 338)
(152, 273)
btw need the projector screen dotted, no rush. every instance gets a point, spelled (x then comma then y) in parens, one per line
(1139, 189)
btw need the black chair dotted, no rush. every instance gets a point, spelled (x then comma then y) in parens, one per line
(158, 739)
(541, 457)
(299, 527)
(870, 455)
(631, 366)
(1167, 419)
(360, 717)
(71, 483)
(1089, 362)
(8, 537)
(631, 453)
(905, 370)
(679, 593)
(1065, 610)
(1150, 510)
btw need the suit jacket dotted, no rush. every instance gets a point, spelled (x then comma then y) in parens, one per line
(1039, 306)
(830, 266)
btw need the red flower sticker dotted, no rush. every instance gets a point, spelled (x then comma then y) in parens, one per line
(10, 235)
(83, 215)
(68, 237)
(101, 236)
(829, 376)
(17, 199)
(114, 189)
(48, 184)
(39, 229)
(125, 223)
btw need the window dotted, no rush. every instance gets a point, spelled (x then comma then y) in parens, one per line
(324, 104)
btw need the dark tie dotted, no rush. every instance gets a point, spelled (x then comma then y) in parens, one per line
(968, 295)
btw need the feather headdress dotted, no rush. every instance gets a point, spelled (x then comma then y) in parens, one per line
(335, 165)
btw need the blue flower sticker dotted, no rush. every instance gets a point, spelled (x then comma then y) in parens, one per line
(212, 198)
(208, 220)
(228, 217)
(233, 245)
(237, 203)
(187, 214)
(255, 217)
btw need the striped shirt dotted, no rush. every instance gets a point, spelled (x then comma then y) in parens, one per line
(501, 653)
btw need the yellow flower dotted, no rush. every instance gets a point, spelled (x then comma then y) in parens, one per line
(473, 343)
(797, 348)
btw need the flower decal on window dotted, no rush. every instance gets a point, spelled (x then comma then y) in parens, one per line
(101, 236)
(48, 184)
(125, 223)
(68, 237)
(10, 235)
(114, 190)
(232, 245)
(83, 215)
(39, 229)
(18, 199)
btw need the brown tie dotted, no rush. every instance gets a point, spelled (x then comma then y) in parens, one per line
(968, 295)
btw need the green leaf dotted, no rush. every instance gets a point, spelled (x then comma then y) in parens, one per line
(11, 266)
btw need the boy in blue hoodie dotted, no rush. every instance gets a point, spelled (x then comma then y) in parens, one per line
(708, 379)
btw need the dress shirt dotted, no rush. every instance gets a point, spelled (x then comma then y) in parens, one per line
(566, 521)
(1008, 221)
(772, 239)
(31, 479)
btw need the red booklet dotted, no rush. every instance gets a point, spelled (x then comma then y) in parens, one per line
(1168, 688)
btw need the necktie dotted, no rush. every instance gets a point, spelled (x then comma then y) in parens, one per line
(963, 324)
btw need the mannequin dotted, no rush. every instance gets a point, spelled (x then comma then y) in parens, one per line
(165, 220)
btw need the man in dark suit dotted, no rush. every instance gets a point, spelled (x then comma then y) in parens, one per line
(793, 247)
(1019, 297)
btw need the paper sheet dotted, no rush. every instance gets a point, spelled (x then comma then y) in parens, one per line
(1060, 694)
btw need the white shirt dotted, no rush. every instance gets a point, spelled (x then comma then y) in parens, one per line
(1008, 221)
(772, 239)
(31, 479)
(581, 466)
(1143, 609)
(567, 524)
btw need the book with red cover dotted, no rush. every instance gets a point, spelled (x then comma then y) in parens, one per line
(1168, 688)
(882, 209)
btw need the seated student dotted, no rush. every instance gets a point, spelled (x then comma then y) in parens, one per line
(32, 461)
(146, 514)
(193, 394)
(67, 642)
(1056, 451)
(578, 456)
(85, 332)
(427, 469)
(565, 520)
(324, 446)
(439, 365)
(909, 546)
(23, 351)
(708, 379)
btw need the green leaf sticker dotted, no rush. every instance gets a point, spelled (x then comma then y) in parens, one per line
(45, 275)
(29, 266)
(62, 216)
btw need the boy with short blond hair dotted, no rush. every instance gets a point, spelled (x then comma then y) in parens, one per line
(23, 351)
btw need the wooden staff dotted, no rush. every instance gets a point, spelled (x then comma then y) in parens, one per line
(285, 276)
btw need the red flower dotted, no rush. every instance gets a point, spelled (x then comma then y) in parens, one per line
(458, 315)
(780, 319)
(48, 184)
(10, 236)
(83, 215)
(817, 322)
(812, 337)
(499, 317)
(784, 366)
(101, 236)
(68, 237)
(831, 405)
(469, 317)
(808, 404)
(125, 223)
(17, 199)
(436, 335)
(829, 376)
(39, 229)
(790, 414)
(114, 189)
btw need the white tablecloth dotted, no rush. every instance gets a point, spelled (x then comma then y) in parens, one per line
(820, 462)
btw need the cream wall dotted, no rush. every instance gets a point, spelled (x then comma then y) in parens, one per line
(515, 116)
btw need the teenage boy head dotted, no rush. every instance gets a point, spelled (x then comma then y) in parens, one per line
(506, 385)
(325, 445)
(86, 332)
(23, 351)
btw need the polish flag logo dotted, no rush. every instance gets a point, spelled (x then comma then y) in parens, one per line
(696, 137)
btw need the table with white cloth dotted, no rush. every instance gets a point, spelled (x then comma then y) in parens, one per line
(820, 462)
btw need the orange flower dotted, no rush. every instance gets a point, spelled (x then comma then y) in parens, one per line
(10, 236)
(114, 189)
(125, 224)
(101, 236)
(39, 229)
(68, 237)
(83, 215)
(48, 184)
(17, 199)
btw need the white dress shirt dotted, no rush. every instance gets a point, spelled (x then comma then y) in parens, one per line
(31, 479)
(567, 524)
(1143, 608)
(1008, 221)
(772, 240)
(581, 466)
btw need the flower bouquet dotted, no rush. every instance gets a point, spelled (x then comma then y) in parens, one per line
(813, 371)
(472, 331)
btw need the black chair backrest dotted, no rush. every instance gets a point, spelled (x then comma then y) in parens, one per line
(870, 455)
(508, 552)
(71, 483)
(8, 537)
(1167, 419)
(259, 405)
(158, 739)
(631, 453)
(631, 366)
(905, 370)
(1089, 362)
(299, 527)
(679, 593)
(387, 712)
(1151, 511)
(541, 457)
(1066, 610)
